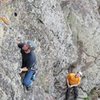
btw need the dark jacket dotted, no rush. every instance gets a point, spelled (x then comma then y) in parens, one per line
(28, 60)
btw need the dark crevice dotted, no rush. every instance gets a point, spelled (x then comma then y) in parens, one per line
(40, 21)
(89, 55)
(15, 14)
(99, 9)
(64, 3)
(80, 50)
(84, 90)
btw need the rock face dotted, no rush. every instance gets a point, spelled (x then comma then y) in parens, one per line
(65, 31)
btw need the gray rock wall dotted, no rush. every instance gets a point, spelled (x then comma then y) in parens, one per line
(65, 31)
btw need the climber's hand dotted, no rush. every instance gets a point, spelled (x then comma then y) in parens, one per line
(20, 70)
(24, 69)
(73, 85)
(69, 86)
(17, 41)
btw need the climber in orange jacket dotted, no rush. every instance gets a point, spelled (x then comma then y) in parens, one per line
(73, 81)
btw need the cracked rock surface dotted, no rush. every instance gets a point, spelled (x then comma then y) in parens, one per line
(65, 31)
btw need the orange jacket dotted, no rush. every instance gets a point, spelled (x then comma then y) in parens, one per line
(73, 79)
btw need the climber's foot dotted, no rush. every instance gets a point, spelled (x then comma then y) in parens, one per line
(29, 88)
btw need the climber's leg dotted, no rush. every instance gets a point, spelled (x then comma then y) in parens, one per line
(75, 92)
(67, 93)
(27, 81)
(22, 74)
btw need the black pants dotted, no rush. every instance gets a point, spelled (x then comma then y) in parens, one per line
(75, 90)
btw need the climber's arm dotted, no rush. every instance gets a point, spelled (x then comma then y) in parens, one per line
(20, 45)
(24, 69)
(76, 84)
(68, 78)
(68, 83)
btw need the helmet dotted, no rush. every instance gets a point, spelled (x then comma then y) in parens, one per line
(31, 44)
(80, 73)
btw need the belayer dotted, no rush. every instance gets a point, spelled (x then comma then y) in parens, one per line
(73, 81)
(28, 62)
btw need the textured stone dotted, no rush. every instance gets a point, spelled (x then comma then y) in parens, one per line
(65, 31)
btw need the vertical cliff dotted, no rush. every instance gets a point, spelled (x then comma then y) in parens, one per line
(65, 31)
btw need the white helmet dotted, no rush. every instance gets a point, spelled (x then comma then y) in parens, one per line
(80, 73)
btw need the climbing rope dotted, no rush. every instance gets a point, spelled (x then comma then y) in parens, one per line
(5, 1)
(4, 20)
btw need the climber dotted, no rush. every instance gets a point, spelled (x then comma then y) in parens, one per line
(73, 81)
(28, 62)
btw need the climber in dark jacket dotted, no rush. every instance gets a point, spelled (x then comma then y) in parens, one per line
(28, 62)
